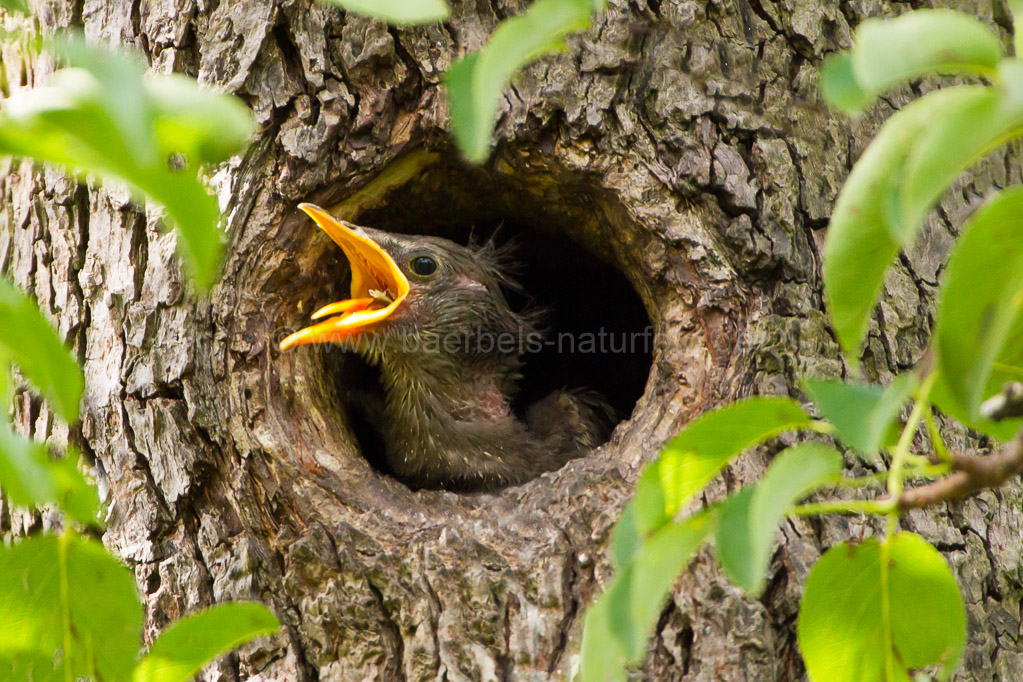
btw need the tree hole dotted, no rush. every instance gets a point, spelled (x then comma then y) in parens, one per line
(597, 334)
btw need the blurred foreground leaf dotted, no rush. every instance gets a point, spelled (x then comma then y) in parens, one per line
(69, 610)
(102, 115)
(19, 6)
(400, 12)
(887, 52)
(181, 650)
(27, 339)
(476, 81)
(31, 478)
(893, 187)
(978, 331)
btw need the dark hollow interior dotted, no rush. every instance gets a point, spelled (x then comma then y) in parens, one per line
(597, 334)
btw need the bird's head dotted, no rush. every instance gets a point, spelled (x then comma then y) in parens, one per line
(415, 295)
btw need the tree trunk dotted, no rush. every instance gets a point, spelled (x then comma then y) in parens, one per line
(683, 143)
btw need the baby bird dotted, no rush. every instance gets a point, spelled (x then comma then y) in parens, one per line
(431, 315)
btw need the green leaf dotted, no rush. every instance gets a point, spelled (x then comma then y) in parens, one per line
(941, 397)
(6, 387)
(625, 538)
(877, 212)
(31, 478)
(401, 12)
(32, 344)
(196, 122)
(186, 646)
(475, 82)
(77, 497)
(19, 6)
(749, 519)
(972, 124)
(843, 630)
(694, 457)
(887, 52)
(117, 73)
(194, 212)
(929, 41)
(24, 471)
(1007, 367)
(1016, 7)
(618, 624)
(861, 413)
(65, 590)
(980, 301)
(839, 86)
(103, 117)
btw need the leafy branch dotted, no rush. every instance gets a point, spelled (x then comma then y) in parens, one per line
(861, 617)
(68, 609)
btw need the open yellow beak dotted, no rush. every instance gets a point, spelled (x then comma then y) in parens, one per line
(378, 285)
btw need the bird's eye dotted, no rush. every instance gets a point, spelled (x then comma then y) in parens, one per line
(423, 265)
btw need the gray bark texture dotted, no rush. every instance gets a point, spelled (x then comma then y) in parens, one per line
(683, 142)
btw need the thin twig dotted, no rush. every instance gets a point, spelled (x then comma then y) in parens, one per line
(971, 474)
(1008, 403)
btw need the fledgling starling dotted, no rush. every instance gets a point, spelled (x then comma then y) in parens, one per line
(431, 315)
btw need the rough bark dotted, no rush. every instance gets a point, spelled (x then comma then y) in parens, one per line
(683, 142)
